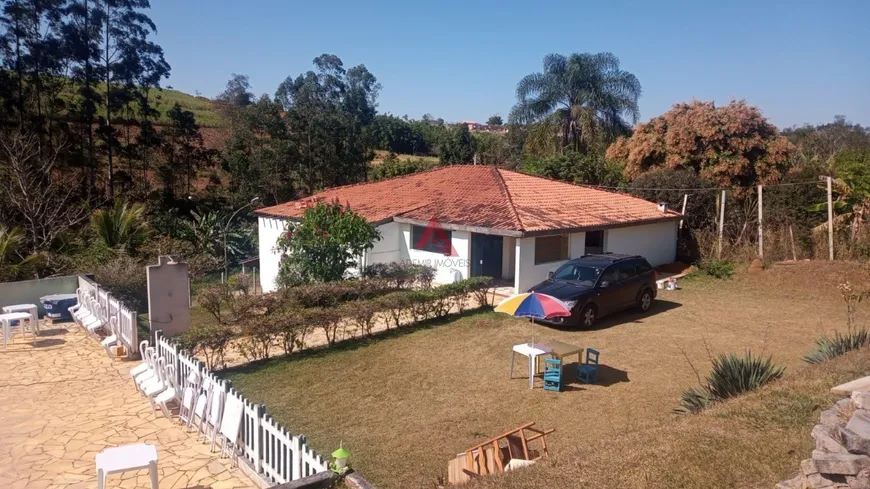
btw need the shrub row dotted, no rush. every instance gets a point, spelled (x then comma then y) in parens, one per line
(401, 275)
(255, 324)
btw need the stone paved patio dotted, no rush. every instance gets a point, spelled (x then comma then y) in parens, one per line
(62, 400)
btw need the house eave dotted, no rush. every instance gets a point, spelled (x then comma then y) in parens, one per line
(583, 229)
(461, 227)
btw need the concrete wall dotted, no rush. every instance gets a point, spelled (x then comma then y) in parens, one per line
(657, 242)
(446, 267)
(29, 291)
(169, 297)
(388, 248)
(269, 230)
(508, 257)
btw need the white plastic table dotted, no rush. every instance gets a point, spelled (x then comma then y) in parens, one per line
(7, 318)
(31, 308)
(533, 351)
(128, 457)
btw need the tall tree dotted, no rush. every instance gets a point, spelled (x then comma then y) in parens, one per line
(326, 111)
(732, 145)
(458, 146)
(580, 98)
(184, 151)
(494, 120)
(129, 60)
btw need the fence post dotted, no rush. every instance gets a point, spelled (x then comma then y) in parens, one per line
(721, 224)
(260, 411)
(760, 227)
(830, 222)
(297, 457)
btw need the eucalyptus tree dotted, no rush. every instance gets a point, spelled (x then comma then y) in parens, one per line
(578, 100)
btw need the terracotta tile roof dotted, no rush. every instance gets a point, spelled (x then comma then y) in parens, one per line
(487, 197)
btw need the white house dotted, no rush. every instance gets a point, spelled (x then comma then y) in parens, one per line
(471, 220)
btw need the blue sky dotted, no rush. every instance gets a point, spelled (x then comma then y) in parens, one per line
(800, 61)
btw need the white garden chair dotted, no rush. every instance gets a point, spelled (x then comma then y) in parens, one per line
(83, 309)
(150, 364)
(169, 394)
(189, 396)
(200, 407)
(151, 376)
(212, 422)
(153, 388)
(112, 339)
(138, 369)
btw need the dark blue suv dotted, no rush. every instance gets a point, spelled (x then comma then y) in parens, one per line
(594, 286)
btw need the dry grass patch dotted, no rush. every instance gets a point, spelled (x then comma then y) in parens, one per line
(408, 401)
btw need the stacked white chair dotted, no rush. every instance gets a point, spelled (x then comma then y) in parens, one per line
(189, 397)
(138, 369)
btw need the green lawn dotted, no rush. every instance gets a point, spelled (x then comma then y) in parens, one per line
(407, 402)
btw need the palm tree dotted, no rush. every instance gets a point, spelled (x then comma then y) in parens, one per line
(121, 228)
(580, 97)
(13, 264)
(205, 232)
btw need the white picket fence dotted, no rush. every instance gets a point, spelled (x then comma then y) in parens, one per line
(263, 443)
(125, 317)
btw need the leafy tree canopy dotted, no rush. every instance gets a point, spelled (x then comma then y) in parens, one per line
(458, 146)
(322, 246)
(589, 169)
(578, 99)
(495, 120)
(732, 145)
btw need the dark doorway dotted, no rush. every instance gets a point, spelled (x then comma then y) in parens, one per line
(594, 242)
(486, 255)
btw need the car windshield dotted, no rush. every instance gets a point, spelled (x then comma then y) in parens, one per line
(582, 274)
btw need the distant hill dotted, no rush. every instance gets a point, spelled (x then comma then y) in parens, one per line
(164, 99)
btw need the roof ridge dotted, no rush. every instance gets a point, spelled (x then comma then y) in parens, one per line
(582, 185)
(510, 199)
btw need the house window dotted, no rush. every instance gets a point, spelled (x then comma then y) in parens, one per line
(551, 248)
(436, 240)
(594, 242)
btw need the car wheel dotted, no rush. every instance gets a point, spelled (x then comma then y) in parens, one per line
(588, 315)
(644, 300)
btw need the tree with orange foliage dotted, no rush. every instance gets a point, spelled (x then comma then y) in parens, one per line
(732, 145)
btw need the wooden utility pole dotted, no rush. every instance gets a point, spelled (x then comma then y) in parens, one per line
(830, 222)
(721, 223)
(760, 227)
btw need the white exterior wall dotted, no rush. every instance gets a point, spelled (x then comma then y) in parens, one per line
(447, 268)
(656, 242)
(388, 248)
(270, 229)
(508, 257)
(528, 274)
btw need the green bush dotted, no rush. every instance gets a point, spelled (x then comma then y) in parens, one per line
(333, 294)
(828, 347)
(722, 269)
(730, 376)
(208, 340)
(401, 275)
(125, 278)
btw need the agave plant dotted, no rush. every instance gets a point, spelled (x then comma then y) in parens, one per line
(121, 228)
(828, 347)
(730, 376)
(14, 264)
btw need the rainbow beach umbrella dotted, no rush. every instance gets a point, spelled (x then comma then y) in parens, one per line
(533, 305)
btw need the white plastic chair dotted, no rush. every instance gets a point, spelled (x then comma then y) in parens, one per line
(189, 396)
(151, 376)
(215, 413)
(127, 458)
(200, 407)
(153, 389)
(138, 369)
(168, 395)
(112, 339)
(150, 366)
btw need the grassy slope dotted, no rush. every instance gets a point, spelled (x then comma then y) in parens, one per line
(163, 100)
(752, 441)
(404, 404)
